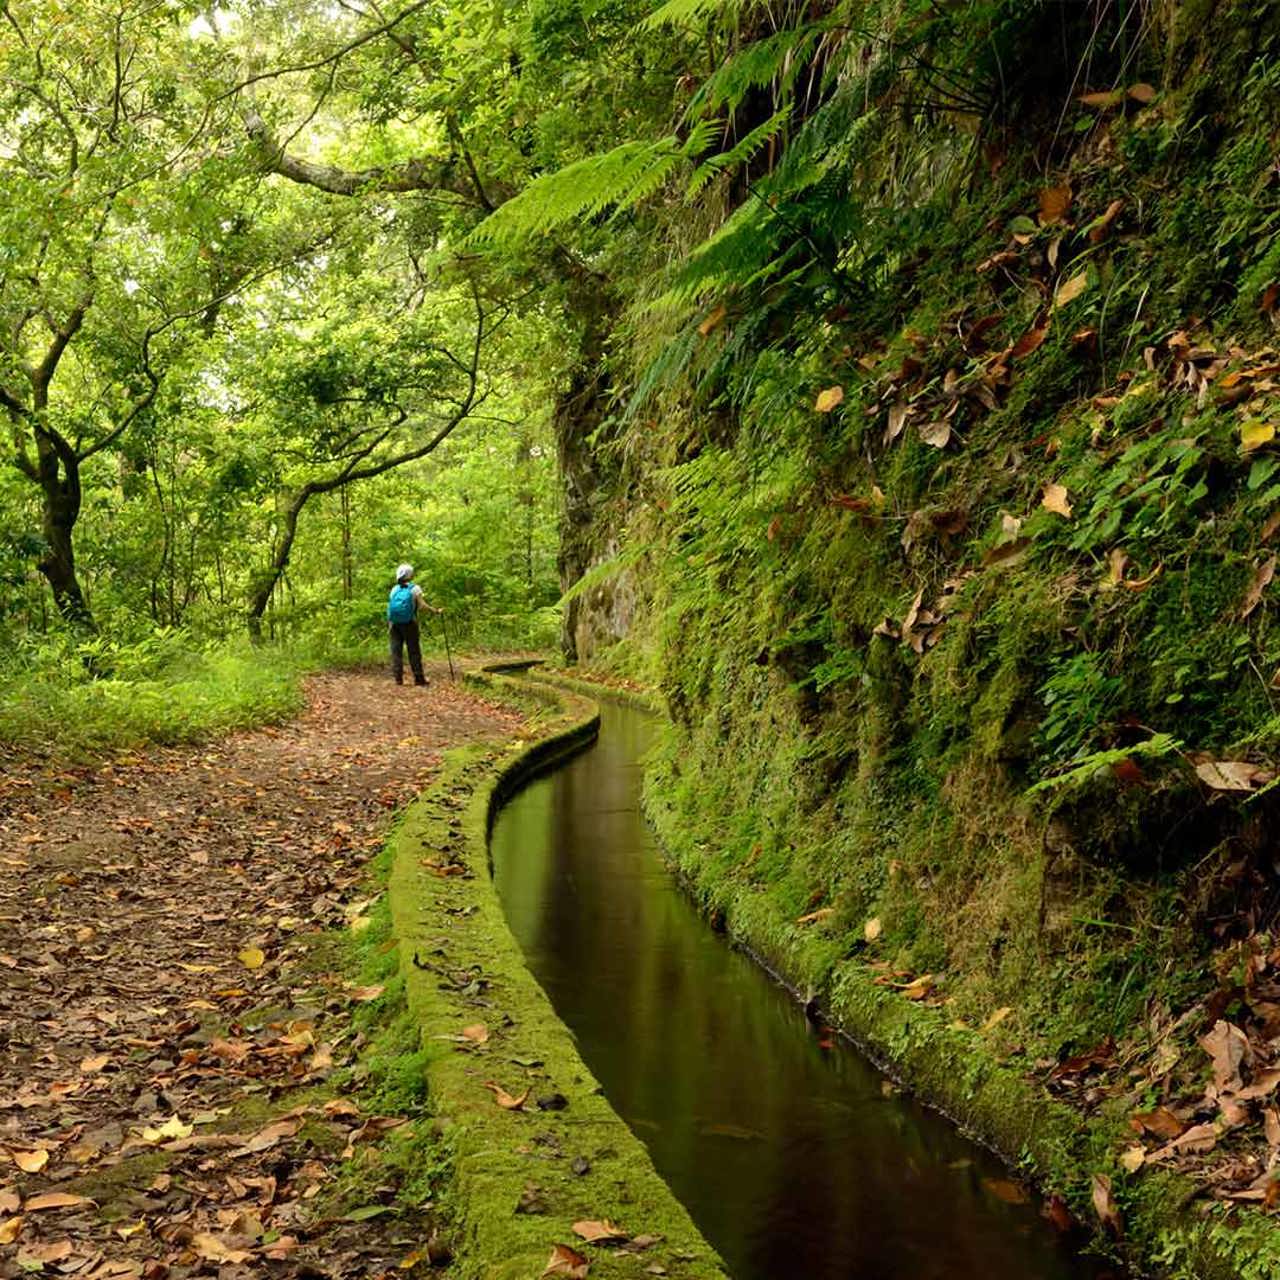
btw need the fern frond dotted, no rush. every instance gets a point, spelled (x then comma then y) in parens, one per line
(676, 12)
(741, 153)
(776, 59)
(618, 178)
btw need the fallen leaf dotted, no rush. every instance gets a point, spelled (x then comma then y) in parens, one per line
(1228, 1047)
(1104, 1205)
(1054, 203)
(996, 1018)
(1232, 775)
(1009, 1192)
(1056, 1211)
(1103, 101)
(1142, 93)
(55, 1200)
(505, 1100)
(1271, 1126)
(252, 957)
(1160, 1123)
(814, 916)
(173, 1127)
(266, 1138)
(918, 989)
(1006, 553)
(1198, 1140)
(477, 1033)
(599, 1232)
(10, 1229)
(872, 929)
(897, 420)
(10, 1200)
(1100, 226)
(1055, 500)
(1030, 341)
(712, 322)
(1262, 576)
(30, 1161)
(54, 1251)
(1264, 1084)
(1071, 290)
(212, 1249)
(565, 1261)
(365, 994)
(1253, 435)
(936, 433)
(1133, 1158)
(91, 1066)
(828, 399)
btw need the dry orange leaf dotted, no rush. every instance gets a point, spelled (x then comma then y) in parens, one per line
(1071, 289)
(1262, 576)
(1054, 203)
(918, 989)
(828, 399)
(1160, 1123)
(505, 1100)
(1098, 230)
(1055, 499)
(1003, 1189)
(1030, 341)
(1133, 1158)
(814, 916)
(365, 994)
(1104, 1205)
(212, 1249)
(565, 1261)
(55, 1200)
(995, 1019)
(872, 929)
(55, 1251)
(713, 321)
(30, 1161)
(9, 1230)
(1142, 92)
(599, 1232)
(477, 1033)
(91, 1066)
(1232, 775)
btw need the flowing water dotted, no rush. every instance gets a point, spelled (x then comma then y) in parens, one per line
(794, 1160)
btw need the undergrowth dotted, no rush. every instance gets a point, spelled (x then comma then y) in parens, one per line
(75, 699)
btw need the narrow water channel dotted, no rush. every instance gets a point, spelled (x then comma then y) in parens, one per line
(793, 1159)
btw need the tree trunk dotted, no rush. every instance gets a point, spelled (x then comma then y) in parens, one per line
(265, 584)
(347, 575)
(59, 477)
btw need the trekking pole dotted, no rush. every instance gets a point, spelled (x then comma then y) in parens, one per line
(444, 631)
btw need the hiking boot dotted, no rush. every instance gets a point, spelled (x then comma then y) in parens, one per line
(422, 683)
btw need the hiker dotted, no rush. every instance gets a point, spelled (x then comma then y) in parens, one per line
(402, 624)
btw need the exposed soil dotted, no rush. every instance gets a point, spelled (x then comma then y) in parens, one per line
(164, 924)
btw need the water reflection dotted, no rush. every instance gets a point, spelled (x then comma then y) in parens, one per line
(790, 1158)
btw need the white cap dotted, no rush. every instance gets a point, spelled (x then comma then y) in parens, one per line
(404, 572)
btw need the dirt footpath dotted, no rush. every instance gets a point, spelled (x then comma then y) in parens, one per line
(163, 926)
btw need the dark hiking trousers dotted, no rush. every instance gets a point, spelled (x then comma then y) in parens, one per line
(402, 634)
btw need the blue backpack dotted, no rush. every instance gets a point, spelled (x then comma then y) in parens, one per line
(400, 606)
